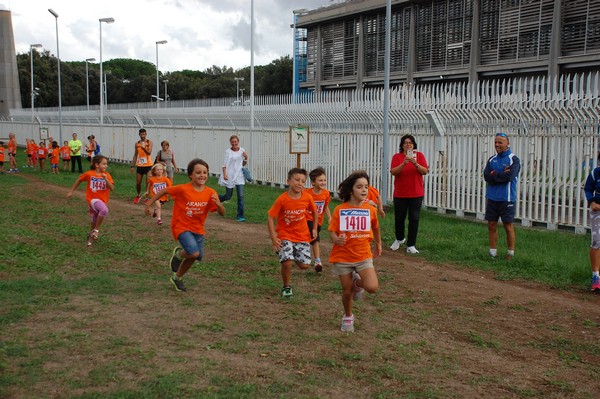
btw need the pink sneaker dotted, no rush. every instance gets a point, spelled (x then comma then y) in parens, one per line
(159, 221)
(136, 200)
(347, 324)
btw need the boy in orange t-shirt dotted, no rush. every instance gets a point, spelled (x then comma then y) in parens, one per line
(192, 203)
(291, 237)
(353, 226)
(54, 155)
(322, 197)
(99, 184)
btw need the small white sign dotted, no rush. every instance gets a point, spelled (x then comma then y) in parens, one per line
(299, 139)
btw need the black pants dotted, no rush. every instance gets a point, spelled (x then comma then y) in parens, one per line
(78, 159)
(412, 207)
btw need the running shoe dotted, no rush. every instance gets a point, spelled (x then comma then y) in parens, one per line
(240, 219)
(358, 291)
(146, 201)
(412, 250)
(595, 283)
(136, 200)
(286, 292)
(175, 260)
(318, 267)
(396, 244)
(159, 221)
(347, 324)
(178, 283)
(94, 234)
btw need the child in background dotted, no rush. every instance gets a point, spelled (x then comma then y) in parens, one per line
(65, 153)
(353, 226)
(374, 199)
(290, 236)
(192, 203)
(322, 197)
(42, 153)
(12, 153)
(33, 149)
(29, 150)
(2, 157)
(99, 184)
(157, 181)
(54, 156)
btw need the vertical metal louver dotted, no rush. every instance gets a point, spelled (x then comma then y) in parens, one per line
(339, 49)
(515, 30)
(443, 34)
(374, 33)
(581, 27)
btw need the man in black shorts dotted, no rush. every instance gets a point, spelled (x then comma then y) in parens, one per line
(502, 176)
(142, 162)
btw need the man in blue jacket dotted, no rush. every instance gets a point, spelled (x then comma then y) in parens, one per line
(502, 175)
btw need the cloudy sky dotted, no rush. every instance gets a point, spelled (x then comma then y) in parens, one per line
(200, 33)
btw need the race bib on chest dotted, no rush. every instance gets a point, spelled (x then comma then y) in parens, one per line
(355, 220)
(320, 206)
(142, 161)
(159, 186)
(97, 183)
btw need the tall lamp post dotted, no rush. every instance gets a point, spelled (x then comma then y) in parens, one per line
(108, 21)
(237, 91)
(157, 82)
(60, 127)
(166, 95)
(33, 92)
(87, 81)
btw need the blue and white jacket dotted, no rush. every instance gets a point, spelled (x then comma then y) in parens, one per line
(592, 187)
(502, 184)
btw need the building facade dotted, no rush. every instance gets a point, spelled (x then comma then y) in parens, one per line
(456, 40)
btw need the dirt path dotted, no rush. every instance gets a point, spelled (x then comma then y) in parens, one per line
(456, 332)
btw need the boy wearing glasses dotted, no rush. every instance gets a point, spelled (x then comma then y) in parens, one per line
(502, 175)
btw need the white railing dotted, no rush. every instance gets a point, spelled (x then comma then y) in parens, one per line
(553, 126)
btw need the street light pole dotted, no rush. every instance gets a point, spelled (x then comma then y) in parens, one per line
(60, 127)
(108, 21)
(166, 95)
(157, 82)
(33, 93)
(237, 92)
(87, 81)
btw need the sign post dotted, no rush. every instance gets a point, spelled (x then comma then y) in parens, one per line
(299, 141)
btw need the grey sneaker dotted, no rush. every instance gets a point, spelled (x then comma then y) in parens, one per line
(286, 292)
(358, 291)
(347, 324)
(178, 283)
(175, 260)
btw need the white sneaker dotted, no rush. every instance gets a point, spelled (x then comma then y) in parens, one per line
(347, 324)
(397, 244)
(412, 250)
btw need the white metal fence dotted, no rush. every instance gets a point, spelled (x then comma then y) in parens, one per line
(553, 126)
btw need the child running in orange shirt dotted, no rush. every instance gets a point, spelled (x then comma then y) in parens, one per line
(291, 237)
(157, 181)
(65, 154)
(54, 156)
(353, 226)
(374, 199)
(322, 197)
(192, 203)
(99, 184)
(42, 153)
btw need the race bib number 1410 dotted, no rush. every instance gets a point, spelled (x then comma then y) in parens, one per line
(355, 220)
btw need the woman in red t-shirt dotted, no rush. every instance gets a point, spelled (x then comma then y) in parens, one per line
(408, 168)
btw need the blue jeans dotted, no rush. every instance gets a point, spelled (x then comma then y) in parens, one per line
(192, 243)
(239, 188)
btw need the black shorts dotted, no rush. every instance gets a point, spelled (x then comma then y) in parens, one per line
(311, 224)
(504, 210)
(143, 170)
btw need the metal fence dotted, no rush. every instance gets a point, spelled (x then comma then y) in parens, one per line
(553, 126)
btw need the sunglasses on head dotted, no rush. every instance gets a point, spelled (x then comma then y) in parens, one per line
(500, 134)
